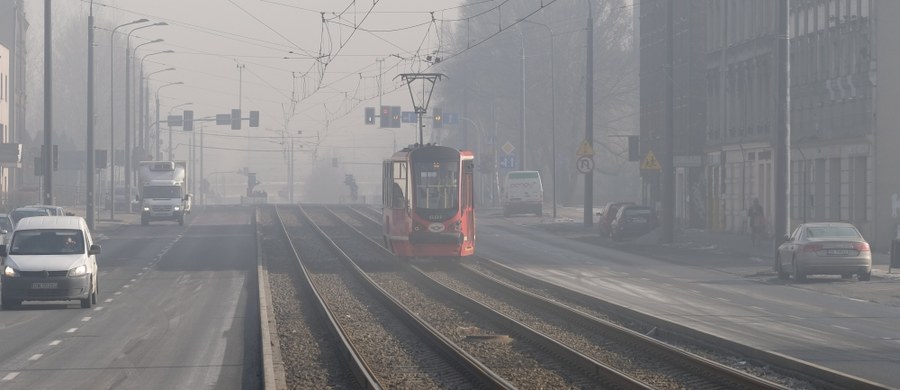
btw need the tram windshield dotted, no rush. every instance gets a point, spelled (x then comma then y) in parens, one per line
(437, 184)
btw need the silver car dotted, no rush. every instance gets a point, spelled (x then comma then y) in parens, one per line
(824, 248)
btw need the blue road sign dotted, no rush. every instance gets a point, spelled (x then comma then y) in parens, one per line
(508, 161)
(408, 117)
(451, 118)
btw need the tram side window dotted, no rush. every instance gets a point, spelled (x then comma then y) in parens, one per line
(399, 186)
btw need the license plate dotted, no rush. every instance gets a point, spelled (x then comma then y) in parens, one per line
(37, 286)
(838, 252)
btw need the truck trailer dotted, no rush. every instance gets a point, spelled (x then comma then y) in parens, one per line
(163, 191)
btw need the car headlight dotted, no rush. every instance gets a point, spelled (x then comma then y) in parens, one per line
(78, 271)
(176, 208)
(146, 208)
(10, 272)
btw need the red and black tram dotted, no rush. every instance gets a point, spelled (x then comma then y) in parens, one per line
(429, 202)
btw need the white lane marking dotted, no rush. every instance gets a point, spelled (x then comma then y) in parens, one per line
(71, 330)
(117, 293)
(897, 341)
(147, 268)
(140, 273)
(55, 342)
(85, 319)
(757, 308)
(840, 327)
(795, 317)
(126, 286)
(35, 356)
(133, 280)
(108, 300)
(98, 308)
(723, 299)
(10, 376)
(696, 292)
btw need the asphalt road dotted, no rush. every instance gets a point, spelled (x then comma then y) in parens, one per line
(815, 321)
(178, 309)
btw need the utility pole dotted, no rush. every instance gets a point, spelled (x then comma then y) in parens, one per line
(48, 106)
(667, 190)
(782, 126)
(522, 103)
(589, 119)
(89, 167)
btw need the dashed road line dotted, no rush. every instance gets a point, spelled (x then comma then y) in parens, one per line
(117, 293)
(71, 330)
(55, 342)
(85, 319)
(98, 308)
(108, 300)
(10, 376)
(840, 327)
(35, 356)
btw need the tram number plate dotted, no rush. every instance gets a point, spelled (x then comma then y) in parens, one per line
(38, 286)
(838, 252)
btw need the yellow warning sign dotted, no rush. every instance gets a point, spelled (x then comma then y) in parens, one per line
(585, 149)
(649, 163)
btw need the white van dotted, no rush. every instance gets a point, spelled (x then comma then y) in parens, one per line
(523, 193)
(49, 258)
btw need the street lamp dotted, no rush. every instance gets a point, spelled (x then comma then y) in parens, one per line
(139, 118)
(158, 155)
(112, 123)
(143, 129)
(128, 128)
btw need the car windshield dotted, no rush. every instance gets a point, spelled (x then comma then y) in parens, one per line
(17, 215)
(162, 192)
(832, 231)
(47, 242)
(436, 185)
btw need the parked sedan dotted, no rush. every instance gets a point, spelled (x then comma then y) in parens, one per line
(632, 221)
(824, 248)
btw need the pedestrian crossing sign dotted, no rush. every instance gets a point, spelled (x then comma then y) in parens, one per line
(585, 149)
(650, 163)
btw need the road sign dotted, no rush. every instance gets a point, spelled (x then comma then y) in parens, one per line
(585, 149)
(508, 148)
(508, 161)
(650, 163)
(585, 164)
(408, 117)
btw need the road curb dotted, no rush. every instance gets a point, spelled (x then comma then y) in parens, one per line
(273, 366)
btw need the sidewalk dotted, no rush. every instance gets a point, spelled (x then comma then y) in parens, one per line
(725, 247)
(102, 222)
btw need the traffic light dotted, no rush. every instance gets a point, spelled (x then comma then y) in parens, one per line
(385, 117)
(188, 120)
(395, 116)
(370, 115)
(236, 119)
(55, 157)
(251, 183)
(634, 148)
(254, 118)
(437, 118)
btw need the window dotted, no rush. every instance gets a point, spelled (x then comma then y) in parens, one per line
(437, 185)
(47, 242)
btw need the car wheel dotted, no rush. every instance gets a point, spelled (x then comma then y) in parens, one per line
(798, 275)
(782, 274)
(864, 277)
(87, 302)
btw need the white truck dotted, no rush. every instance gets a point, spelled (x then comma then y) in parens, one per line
(522, 193)
(163, 191)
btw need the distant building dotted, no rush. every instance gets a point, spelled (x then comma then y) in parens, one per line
(12, 36)
(690, 102)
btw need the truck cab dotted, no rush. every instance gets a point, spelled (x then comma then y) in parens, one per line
(163, 194)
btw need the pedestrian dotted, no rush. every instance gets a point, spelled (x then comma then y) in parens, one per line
(757, 221)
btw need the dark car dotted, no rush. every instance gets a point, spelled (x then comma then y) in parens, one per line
(23, 212)
(607, 214)
(632, 221)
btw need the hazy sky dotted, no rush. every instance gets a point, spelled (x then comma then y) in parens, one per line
(330, 71)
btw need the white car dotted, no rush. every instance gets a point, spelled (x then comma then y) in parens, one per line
(49, 258)
(824, 248)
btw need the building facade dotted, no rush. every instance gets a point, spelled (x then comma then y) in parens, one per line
(689, 105)
(12, 36)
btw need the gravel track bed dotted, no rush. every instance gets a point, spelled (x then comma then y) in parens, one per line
(615, 353)
(395, 354)
(524, 365)
(373, 230)
(731, 360)
(308, 350)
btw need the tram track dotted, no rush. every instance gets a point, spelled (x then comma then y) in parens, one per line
(399, 350)
(704, 362)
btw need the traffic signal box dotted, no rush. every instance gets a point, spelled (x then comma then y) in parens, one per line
(384, 118)
(437, 118)
(370, 115)
(188, 119)
(254, 118)
(396, 113)
(236, 119)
